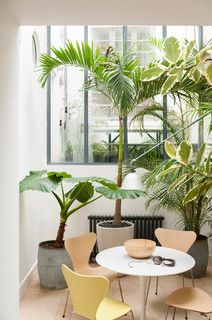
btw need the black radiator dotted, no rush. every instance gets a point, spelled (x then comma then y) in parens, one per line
(144, 226)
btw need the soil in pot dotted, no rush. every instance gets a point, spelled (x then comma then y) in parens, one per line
(199, 251)
(50, 260)
(109, 236)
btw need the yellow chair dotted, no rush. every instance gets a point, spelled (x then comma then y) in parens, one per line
(79, 250)
(88, 295)
(189, 299)
(175, 239)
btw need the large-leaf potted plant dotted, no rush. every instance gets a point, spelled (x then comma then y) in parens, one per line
(183, 184)
(80, 193)
(120, 77)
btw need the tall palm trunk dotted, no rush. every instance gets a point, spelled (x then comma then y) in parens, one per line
(117, 215)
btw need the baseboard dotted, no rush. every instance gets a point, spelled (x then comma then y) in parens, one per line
(26, 281)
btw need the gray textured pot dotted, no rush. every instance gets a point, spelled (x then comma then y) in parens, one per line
(199, 251)
(113, 237)
(49, 266)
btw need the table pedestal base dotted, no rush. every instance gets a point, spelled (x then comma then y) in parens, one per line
(143, 282)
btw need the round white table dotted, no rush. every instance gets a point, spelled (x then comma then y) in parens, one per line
(117, 259)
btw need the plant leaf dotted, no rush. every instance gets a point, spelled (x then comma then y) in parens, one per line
(61, 174)
(188, 49)
(170, 149)
(178, 182)
(83, 191)
(169, 84)
(120, 193)
(194, 74)
(208, 74)
(200, 154)
(208, 164)
(39, 181)
(152, 73)
(184, 152)
(192, 194)
(105, 182)
(171, 48)
(165, 172)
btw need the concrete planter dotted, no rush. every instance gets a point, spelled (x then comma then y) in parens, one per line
(49, 266)
(112, 237)
(199, 251)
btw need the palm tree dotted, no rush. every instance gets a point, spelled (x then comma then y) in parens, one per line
(120, 78)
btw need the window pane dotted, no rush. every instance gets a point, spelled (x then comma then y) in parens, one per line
(67, 103)
(102, 118)
(183, 32)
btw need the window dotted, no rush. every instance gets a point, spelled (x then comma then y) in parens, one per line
(83, 126)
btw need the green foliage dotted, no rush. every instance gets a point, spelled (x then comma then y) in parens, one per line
(171, 48)
(120, 193)
(183, 185)
(170, 149)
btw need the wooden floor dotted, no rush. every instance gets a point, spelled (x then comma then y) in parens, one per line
(40, 304)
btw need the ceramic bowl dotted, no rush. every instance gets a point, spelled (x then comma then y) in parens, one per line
(139, 248)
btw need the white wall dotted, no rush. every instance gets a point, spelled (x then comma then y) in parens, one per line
(8, 165)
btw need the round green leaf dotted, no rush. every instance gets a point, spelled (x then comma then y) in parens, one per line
(171, 48)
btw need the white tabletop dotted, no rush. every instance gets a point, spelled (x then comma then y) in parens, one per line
(117, 259)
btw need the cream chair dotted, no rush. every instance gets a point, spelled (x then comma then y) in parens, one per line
(189, 299)
(88, 295)
(175, 239)
(79, 250)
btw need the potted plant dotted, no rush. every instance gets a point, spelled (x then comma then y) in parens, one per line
(120, 77)
(81, 193)
(183, 184)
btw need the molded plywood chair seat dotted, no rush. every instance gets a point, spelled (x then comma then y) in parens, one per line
(79, 249)
(175, 239)
(88, 295)
(192, 299)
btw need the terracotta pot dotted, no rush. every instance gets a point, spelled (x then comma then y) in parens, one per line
(108, 237)
(140, 248)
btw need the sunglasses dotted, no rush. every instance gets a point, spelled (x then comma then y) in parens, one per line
(157, 260)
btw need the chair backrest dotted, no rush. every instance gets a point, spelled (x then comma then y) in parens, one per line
(79, 249)
(87, 292)
(175, 239)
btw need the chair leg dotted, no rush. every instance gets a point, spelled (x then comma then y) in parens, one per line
(174, 313)
(167, 312)
(156, 289)
(132, 314)
(205, 315)
(120, 289)
(192, 278)
(186, 315)
(72, 314)
(66, 303)
(183, 280)
(148, 287)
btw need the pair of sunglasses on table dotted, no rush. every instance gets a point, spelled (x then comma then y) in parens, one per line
(157, 260)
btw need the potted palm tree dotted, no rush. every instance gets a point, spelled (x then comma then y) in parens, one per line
(183, 184)
(51, 253)
(120, 77)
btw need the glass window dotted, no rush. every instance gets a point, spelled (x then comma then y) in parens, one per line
(83, 126)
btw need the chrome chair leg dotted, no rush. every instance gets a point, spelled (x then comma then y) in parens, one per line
(148, 287)
(120, 289)
(167, 312)
(66, 303)
(183, 280)
(174, 313)
(156, 289)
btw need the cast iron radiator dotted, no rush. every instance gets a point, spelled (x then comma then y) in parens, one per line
(144, 226)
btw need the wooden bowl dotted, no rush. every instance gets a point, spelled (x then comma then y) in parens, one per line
(139, 248)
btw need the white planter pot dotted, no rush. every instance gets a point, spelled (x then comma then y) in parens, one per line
(113, 237)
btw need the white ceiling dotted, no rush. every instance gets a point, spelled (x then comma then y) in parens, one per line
(143, 12)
